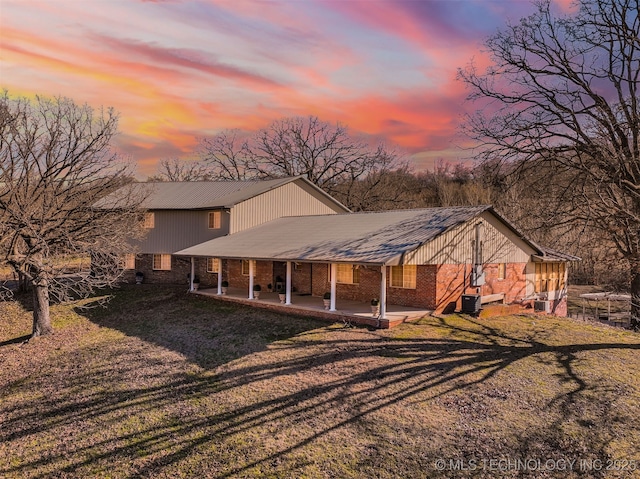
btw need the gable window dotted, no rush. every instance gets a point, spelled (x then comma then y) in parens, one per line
(214, 220)
(129, 261)
(162, 262)
(245, 267)
(403, 276)
(149, 220)
(502, 270)
(213, 265)
(346, 273)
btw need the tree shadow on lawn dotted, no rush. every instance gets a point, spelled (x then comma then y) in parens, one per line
(313, 388)
(208, 332)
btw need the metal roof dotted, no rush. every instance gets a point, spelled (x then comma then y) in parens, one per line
(178, 195)
(194, 195)
(365, 238)
(551, 255)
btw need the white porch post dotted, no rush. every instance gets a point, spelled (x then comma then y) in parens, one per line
(219, 276)
(334, 273)
(250, 279)
(193, 273)
(288, 284)
(383, 293)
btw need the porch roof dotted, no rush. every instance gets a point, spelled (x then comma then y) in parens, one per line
(376, 238)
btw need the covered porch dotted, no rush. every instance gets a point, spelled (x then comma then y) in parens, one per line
(348, 312)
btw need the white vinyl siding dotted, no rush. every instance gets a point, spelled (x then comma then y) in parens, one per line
(149, 220)
(404, 276)
(162, 262)
(214, 220)
(213, 265)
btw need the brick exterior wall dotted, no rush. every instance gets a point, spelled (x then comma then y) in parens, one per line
(423, 296)
(263, 274)
(179, 273)
(180, 269)
(514, 285)
(453, 281)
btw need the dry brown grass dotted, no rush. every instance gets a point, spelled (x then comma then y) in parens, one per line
(164, 384)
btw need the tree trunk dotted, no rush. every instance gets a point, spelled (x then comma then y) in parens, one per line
(41, 318)
(635, 297)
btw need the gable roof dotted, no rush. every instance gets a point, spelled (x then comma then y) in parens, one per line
(550, 255)
(194, 195)
(366, 238)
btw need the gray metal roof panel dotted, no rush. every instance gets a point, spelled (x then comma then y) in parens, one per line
(372, 237)
(206, 194)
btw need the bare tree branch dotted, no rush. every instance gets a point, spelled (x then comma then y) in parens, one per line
(562, 91)
(55, 164)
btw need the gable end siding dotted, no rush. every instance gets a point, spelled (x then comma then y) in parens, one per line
(291, 199)
(500, 245)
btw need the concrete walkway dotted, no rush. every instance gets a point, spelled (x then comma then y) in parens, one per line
(349, 312)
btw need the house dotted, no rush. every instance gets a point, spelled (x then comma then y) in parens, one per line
(184, 214)
(441, 259)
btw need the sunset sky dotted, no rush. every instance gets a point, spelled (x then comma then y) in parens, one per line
(178, 70)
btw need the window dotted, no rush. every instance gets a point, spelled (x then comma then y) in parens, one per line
(162, 262)
(403, 276)
(346, 273)
(502, 270)
(213, 265)
(245, 267)
(129, 261)
(149, 220)
(214, 220)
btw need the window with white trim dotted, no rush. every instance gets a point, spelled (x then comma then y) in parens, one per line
(404, 276)
(245, 267)
(149, 220)
(214, 220)
(129, 261)
(213, 265)
(346, 273)
(162, 262)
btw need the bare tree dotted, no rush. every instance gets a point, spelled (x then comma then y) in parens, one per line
(564, 90)
(55, 164)
(181, 170)
(322, 152)
(228, 155)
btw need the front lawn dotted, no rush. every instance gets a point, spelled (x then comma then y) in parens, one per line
(164, 384)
